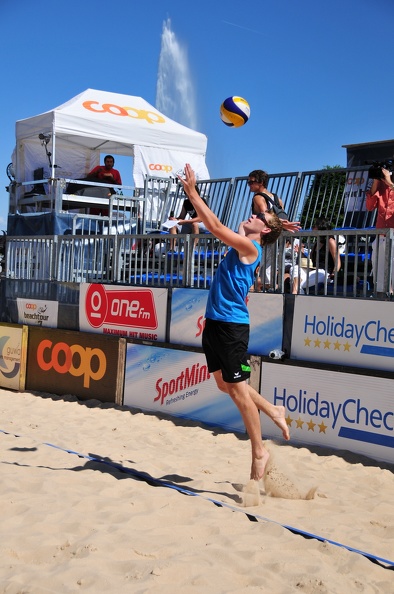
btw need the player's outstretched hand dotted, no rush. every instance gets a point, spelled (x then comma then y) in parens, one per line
(291, 226)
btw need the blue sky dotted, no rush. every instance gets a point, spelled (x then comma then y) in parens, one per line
(317, 73)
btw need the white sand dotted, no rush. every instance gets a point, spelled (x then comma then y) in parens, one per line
(70, 524)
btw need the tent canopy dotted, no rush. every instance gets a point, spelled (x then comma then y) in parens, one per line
(95, 122)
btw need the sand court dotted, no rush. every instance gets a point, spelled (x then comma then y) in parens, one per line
(99, 498)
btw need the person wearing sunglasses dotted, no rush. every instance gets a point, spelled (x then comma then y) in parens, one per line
(258, 182)
(262, 201)
(226, 332)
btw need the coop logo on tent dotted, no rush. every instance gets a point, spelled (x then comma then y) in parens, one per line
(152, 117)
(74, 359)
(337, 334)
(158, 167)
(123, 307)
(9, 358)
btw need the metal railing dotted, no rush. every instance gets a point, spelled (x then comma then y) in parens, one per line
(337, 194)
(355, 278)
(191, 260)
(126, 245)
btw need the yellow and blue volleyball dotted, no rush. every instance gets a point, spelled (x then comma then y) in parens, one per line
(234, 111)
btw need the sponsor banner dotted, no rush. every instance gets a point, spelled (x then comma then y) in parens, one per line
(13, 340)
(165, 163)
(35, 312)
(187, 316)
(266, 322)
(132, 312)
(266, 319)
(83, 364)
(356, 185)
(176, 383)
(336, 331)
(332, 409)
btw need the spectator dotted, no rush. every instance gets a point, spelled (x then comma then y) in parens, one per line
(257, 182)
(188, 221)
(305, 275)
(311, 271)
(320, 247)
(106, 173)
(381, 197)
(291, 252)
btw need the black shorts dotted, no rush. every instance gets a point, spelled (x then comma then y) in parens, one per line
(225, 346)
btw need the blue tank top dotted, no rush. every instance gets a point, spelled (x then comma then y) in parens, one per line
(229, 289)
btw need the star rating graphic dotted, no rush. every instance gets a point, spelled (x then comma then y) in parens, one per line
(327, 344)
(309, 425)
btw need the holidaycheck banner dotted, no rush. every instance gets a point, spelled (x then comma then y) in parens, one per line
(335, 331)
(332, 409)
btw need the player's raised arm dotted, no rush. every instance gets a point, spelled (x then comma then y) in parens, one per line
(241, 243)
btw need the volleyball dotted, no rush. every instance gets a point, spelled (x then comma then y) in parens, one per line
(234, 111)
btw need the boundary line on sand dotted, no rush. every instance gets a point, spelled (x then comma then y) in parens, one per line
(143, 476)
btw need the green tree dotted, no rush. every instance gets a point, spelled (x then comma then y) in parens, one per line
(325, 196)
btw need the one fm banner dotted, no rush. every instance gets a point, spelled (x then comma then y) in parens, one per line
(266, 319)
(176, 383)
(35, 312)
(332, 409)
(344, 332)
(123, 311)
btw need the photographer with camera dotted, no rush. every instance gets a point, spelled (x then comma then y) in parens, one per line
(380, 195)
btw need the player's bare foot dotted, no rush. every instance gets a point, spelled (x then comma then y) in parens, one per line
(280, 420)
(258, 466)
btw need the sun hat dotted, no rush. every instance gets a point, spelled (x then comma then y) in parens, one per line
(305, 263)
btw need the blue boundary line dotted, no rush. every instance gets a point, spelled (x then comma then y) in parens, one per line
(142, 476)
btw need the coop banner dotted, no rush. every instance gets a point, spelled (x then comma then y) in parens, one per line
(176, 383)
(266, 319)
(36, 312)
(344, 332)
(79, 363)
(132, 312)
(13, 341)
(332, 409)
(165, 163)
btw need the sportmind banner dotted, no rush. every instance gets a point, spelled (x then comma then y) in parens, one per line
(344, 332)
(332, 409)
(177, 382)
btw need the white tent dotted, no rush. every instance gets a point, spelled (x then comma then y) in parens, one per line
(67, 141)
